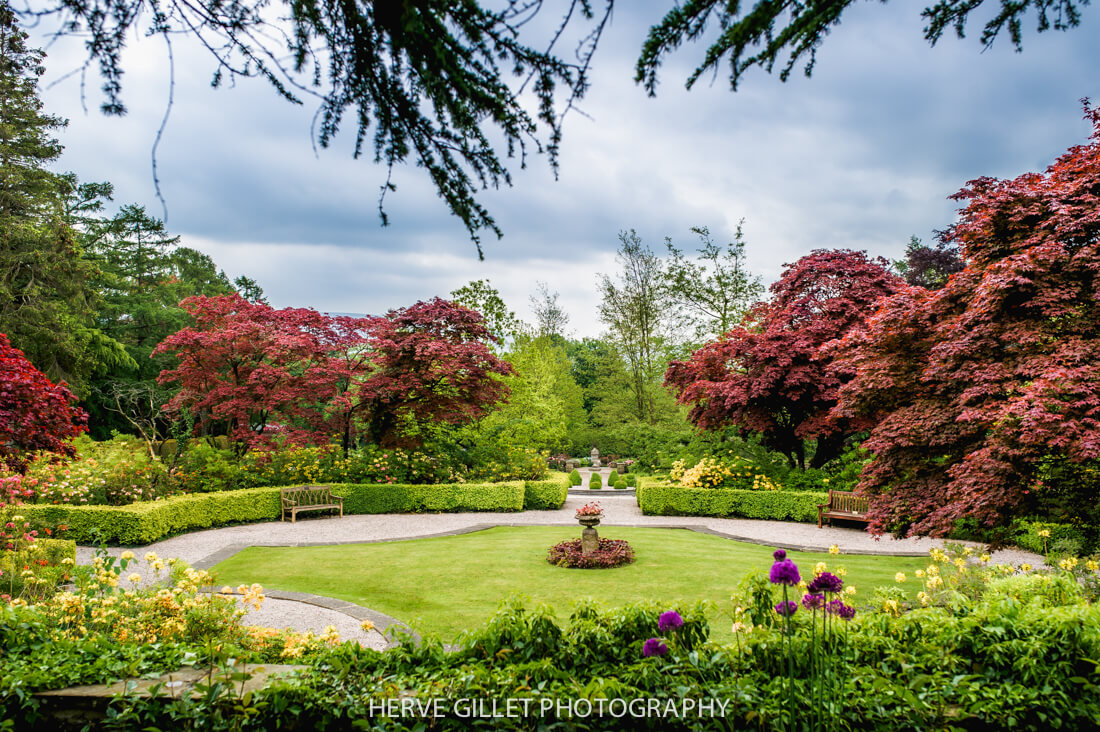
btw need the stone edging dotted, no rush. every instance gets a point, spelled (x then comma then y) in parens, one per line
(380, 621)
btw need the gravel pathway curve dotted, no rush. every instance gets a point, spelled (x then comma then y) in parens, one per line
(205, 548)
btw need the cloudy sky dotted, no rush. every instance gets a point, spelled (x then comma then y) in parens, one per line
(862, 155)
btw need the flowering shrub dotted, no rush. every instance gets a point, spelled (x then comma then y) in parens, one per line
(611, 553)
(31, 567)
(115, 472)
(711, 472)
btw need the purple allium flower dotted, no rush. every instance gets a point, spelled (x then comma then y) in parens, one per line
(826, 582)
(785, 573)
(813, 601)
(787, 608)
(779, 555)
(838, 608)
(654, 647)
(669, 621)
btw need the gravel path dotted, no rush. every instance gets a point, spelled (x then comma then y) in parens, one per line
(205, 548)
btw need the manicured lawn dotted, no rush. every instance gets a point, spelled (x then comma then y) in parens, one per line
(447, 584)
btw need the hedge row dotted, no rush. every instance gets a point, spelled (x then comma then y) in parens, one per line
(546, 495)
(144, 523)
(673, 500)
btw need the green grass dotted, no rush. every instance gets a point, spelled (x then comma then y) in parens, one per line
(447, 584)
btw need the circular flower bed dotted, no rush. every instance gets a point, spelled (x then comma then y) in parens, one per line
(612, 553)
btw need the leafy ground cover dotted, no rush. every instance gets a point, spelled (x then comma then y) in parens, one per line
(447, 584)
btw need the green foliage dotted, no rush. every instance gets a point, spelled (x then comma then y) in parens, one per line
(595, 481)
(480, 295)
(1029, 664)
(713, 290)
(143, 523)
(545, 495)
(764, 34)
(545, 407)
(575, 477)
(613, 479)
(1062, 539)
(631, 480)
(669, 500)
(47, 297)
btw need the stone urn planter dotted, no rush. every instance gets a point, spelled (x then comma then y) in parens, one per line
(589, 516)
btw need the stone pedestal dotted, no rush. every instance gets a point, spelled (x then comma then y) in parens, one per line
(590, 540)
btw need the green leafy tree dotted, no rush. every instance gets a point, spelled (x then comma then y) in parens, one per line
(545, 410)
(714, 289)
(46, 295)
(480, 295)
(550, 318)
(634, 308)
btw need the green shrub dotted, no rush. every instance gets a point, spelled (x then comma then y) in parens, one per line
(1063, 539)
(669, 500)
(613, 479)
(631, 480)
(595, 482)
(545, 495)
(575, 477)
(144, 523)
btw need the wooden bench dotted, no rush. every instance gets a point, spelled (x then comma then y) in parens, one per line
(309, 498)
(843, 505)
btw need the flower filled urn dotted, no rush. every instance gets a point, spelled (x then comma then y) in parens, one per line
(589, 516)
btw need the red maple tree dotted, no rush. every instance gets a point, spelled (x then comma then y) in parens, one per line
(304, 377)
(35, 413)
(257, 372)
(430, 364)
(973, 386)
(770, 375)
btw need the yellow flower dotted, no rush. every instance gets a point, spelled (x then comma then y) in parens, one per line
(985, 557)
(850, 590)
(151, 557)
(819, 568)
(834, 549)
(126, 555)
(960, 563)
(1092, 565)
(841, 571)
(924, 598)
(1068, 563)
(1044, 533)
(919, 573)
(899, 577)
(134, 578)
(367, 626)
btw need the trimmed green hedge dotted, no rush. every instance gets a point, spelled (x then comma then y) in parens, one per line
(144, 523)
(673, 500)
(546, 495)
